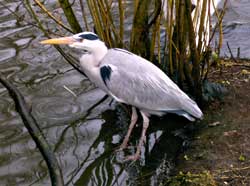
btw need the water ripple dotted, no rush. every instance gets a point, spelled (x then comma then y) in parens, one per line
(7, 24)
(71, 80)
(4, 11)
(12, 31)
(11, 130)
(5, 108)
(23, 41)
(56, 109)
(7, 54)
(12, 71)
(7, 133)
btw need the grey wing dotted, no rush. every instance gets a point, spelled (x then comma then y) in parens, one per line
(135, 81)
(140, 91)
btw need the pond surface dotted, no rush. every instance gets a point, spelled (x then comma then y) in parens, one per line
(83, 134)
(236, 29)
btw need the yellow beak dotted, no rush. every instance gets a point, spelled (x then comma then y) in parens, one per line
(59, 41)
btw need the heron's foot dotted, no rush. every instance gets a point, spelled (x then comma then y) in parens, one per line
(136, 156)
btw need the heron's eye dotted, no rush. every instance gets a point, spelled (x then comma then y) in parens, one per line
(80, 39)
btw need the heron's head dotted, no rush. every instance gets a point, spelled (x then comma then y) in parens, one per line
(86, 41)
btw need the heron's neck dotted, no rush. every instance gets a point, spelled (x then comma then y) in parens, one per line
(98, 53)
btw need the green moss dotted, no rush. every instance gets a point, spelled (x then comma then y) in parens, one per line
(189, 179)
(242, 158)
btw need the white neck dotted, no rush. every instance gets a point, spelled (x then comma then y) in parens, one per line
(99, 52)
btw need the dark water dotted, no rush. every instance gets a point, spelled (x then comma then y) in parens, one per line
(83, 137)
(236, 28)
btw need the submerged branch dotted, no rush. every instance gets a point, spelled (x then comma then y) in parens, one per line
(35, 132)
(231, 53)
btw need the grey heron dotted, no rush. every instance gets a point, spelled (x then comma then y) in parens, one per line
(130, 79)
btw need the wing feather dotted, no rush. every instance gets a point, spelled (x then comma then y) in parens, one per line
(138, 82)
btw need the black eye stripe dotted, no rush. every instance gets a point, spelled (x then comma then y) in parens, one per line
(88, 36)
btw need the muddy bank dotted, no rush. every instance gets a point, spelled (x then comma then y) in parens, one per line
(221, 146)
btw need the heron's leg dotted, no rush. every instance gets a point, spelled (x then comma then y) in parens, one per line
(134, 118)
(142, 139)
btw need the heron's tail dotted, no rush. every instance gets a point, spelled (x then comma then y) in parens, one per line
(192, 110)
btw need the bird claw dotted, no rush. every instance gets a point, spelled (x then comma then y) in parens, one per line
(134, 157)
